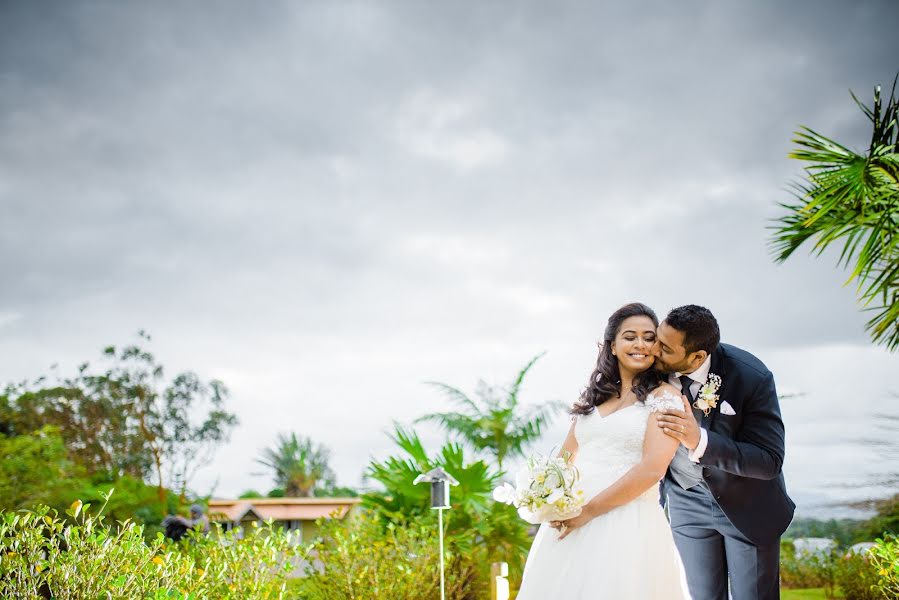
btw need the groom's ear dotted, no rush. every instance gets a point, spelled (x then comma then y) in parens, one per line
(697, 358)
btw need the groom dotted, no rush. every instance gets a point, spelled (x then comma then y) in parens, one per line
(727, 501)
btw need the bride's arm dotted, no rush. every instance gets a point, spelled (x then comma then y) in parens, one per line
(570, 443)
(658, 450)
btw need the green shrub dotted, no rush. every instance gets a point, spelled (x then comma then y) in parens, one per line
(885, 522)
(363, 558)
(805, 570)
(843, 531)
(34, 469)
(482, 529)
(42, 554)
(133, 500)
(856, 577)
(865, 576)
(885, 560)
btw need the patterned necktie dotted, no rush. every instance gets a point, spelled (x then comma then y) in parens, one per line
(685, 383)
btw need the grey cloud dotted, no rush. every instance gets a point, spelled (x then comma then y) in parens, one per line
(406, 191)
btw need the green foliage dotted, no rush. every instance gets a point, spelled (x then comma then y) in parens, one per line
(335, 491)
(364, 559)
(404, 499)
(125, 420)
(886, 521)
(488, 531)
(35, 468)
(495, 423)
(250, 494)
(94, 428)
(43, 554)
(844, 531)
(850, 531)
(804, 594)
(856, 576)
(885, 560)
(257, 563)
(298, 465)
(853, 199)
(133, 500)
(805, 570)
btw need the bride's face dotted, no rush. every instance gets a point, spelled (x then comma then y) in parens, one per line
(634, 342)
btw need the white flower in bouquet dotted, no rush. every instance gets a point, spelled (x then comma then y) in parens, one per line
(545, 490)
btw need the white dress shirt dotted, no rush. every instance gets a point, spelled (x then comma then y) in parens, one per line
(699, 377)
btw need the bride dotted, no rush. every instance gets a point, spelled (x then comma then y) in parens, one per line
(620, 546)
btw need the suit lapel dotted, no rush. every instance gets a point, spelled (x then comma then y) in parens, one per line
(717, 367)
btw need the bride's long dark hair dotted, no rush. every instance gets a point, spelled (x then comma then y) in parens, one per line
(605, 381)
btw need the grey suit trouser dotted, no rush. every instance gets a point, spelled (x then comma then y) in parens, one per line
(714, 551)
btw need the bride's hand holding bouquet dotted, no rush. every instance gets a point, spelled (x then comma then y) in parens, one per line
(546, 490)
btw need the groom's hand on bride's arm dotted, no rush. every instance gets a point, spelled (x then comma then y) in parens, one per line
(680, 424)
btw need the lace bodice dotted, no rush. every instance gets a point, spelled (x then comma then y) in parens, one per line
(609, 446)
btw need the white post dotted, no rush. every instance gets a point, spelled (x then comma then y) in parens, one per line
(440, 524)
(499, 582)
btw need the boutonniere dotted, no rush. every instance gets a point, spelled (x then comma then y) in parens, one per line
(707, 398)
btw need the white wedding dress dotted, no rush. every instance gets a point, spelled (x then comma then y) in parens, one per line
(627, 553)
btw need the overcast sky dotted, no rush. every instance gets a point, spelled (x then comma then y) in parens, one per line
(325, 204)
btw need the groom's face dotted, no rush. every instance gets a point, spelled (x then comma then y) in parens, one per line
(671, 356)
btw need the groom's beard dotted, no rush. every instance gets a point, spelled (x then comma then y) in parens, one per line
(659, 368)
(658, 365)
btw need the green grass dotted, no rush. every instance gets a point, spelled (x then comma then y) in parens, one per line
(807, 594)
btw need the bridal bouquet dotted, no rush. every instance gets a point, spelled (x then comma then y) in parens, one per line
(545, 490)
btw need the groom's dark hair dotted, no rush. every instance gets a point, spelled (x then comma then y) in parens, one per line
(699, 326)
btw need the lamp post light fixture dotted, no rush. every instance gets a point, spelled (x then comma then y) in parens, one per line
(440, 482)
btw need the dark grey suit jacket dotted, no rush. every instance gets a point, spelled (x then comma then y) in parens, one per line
(745, 453)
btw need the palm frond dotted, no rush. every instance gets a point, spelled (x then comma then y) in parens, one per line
(516, 386)
(493, 424)
(409, 441)
(456, 395)
(852, 199)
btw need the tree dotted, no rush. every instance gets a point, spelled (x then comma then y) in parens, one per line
(34, 469)
(299, 466)
(404, 499)
(494, 424)
(189, 445)
(97, 432)
(853, 199)
(180, 425)
(483, 529)
(126, 420)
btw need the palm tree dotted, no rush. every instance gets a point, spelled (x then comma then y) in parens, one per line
(852, 198)
(299, 465)
(495, 423)
(476, 519)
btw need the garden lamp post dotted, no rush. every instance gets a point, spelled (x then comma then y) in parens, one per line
(440, 482)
